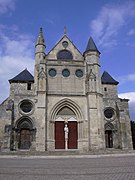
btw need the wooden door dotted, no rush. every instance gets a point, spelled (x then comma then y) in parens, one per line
(73, 135)
(24, 142)
(59, 135)
(109, 138)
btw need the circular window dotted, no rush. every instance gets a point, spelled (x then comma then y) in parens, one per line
(66, 73)
(26, 106)
(79, 73)
(109, 113)
(52, 72)
(65, 44)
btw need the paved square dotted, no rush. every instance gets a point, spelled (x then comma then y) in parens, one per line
(68, 168)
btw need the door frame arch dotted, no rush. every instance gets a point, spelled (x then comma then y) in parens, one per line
(66, 103)
(109, 131)
(78, 118)
(25, 132)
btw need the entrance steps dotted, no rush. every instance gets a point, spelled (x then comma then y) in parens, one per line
(66, 152)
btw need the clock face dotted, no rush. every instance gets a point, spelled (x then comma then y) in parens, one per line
(79, 73)
(66, 73)
(52, 72)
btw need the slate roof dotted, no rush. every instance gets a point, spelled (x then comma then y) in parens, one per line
(91, 46)
(24, 76)
(107, 79)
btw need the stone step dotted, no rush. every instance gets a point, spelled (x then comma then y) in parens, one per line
(65, 153)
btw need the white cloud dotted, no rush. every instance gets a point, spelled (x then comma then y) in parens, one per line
(18, 46)
(131, 77)
(131, 97)
(126, 78)
(128, 95)
(109, 22)
(131, 32)
(9, 67)
(50, 21)
(6, 5)
(16, 54)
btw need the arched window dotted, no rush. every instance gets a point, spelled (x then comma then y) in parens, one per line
(65, 55)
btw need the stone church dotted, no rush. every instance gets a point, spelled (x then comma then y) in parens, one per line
(66, 105)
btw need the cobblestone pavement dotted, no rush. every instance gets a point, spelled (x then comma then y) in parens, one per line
(68, 168)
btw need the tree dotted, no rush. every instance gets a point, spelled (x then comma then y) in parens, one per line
(133, 132)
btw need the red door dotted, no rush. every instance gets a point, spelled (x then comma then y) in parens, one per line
(59, 135)
(73, 135)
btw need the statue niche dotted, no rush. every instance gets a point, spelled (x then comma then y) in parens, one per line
(91, 81)
(41, 80)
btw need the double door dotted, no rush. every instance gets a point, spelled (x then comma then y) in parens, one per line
(60, 135)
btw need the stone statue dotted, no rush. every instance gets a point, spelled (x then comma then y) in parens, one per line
(66, 130)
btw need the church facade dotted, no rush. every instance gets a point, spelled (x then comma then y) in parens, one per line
(66, 105)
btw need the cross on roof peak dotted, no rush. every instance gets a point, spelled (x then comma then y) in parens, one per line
(65, 30)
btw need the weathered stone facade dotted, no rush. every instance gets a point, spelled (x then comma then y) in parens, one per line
(66, 91)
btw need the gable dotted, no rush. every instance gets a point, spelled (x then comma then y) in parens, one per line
(65, 50)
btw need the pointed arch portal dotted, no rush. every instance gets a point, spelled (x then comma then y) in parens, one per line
(66, 114)
(25, 130)
(109, 138)
(109, 135)
(66, 118)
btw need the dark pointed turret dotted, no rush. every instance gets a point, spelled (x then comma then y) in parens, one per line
(40, 39)
(91, 46)
(108, 79)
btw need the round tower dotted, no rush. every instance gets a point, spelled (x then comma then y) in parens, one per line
(40, 47)
(92, 58)
(94, 97)
(40, 92)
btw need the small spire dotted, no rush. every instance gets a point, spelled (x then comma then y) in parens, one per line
(40, 39)
(65, 30)
(40, 29)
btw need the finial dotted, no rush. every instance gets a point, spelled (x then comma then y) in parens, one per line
(65, 30)
(40, 29)
(40, 39)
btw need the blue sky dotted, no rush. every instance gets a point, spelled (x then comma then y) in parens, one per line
(111, 23)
